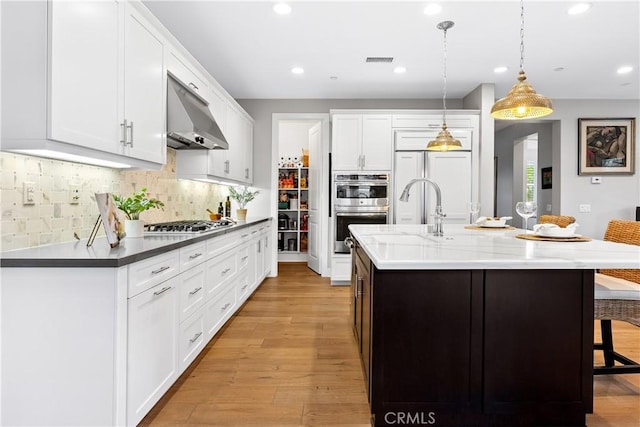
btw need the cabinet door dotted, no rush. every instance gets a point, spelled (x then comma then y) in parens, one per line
(247, 137)
(181, 69)
(152, 343)
(85, 57)
(144, 85)
(346, 142)
(268, 253)
(452, 172)
(234, 168)
(377, 142)
(409, 165)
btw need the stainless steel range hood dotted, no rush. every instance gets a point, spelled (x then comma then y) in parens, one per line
(190, 124)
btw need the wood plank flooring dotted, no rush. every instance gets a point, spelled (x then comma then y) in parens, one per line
(288, 358)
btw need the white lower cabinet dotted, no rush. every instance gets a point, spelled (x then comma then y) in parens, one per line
(117, 338)
(192, 338)
(152, 362)
(219, 309)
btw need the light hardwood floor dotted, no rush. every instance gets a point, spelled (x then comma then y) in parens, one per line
(288, 358)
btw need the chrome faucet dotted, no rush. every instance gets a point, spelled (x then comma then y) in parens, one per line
(439, 214)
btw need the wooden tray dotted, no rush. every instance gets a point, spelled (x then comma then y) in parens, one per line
(478, 227)
(553, 239)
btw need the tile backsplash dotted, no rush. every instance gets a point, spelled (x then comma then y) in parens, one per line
(52, 219)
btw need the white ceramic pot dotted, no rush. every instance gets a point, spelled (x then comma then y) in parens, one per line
(242, 215)
(134, 227)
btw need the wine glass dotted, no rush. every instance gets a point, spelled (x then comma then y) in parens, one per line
(474, 210)
(526, 210)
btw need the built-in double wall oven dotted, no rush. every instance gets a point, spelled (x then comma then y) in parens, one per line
(358, 198)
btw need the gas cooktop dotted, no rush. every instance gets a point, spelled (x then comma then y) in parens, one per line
(186, 227)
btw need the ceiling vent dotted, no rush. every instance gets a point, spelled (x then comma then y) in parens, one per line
(379, 59)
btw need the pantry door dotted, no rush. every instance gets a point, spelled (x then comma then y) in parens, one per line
(315, 174)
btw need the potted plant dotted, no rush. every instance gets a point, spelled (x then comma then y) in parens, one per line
(242, 195)
(132, 207)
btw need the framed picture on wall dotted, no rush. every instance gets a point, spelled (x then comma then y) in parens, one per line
(546, 178)
(606, 146)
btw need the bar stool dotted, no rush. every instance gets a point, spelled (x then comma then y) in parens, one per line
(617, 297)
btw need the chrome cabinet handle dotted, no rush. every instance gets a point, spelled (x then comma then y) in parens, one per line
(259, 246)
(363, 161)
(244, 287)
(162, 291)
(360, 283)
(225, 271)
(194, 256)
(123, 125)
(195, 291)
(194, 86)
(195, 337)
(130, 127)
(160, 270)
(224, 307)
(246, 173)
(243, 236)
(226, 166)
(244, 257)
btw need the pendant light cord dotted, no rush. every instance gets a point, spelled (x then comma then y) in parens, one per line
(521, 35)
(444, 73)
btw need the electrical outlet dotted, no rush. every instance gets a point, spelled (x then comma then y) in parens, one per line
(74, 194)
(585, 208)
(549, 208)
(28, 193)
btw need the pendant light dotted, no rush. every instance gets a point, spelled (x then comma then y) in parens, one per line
(444, 141)
(522, 101)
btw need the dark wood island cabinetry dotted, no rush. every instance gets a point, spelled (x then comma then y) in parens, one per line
(474, 347)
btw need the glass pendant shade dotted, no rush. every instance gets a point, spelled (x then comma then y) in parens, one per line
(522, 102)
(444, 141)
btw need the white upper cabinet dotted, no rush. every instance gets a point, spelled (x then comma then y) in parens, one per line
(362, 142)
(145, 90)
(89, 66)
(179, 68)
(85, 49)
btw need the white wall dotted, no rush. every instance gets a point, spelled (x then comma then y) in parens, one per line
(616, 197)
(294, 136)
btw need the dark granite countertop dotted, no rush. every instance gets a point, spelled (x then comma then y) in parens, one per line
(77, 254)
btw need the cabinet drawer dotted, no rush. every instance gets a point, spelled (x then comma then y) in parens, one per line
(222, 244)
(143, 275)
(244, 287)
(191, 290)
(243, 258)
(192, 255)
(220, 271)
(219, 309)
(192, 339)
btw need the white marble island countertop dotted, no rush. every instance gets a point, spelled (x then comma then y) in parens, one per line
(412, 247)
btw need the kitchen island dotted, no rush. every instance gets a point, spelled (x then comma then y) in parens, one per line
(476, 328)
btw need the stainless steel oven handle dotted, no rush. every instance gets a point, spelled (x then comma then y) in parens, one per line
(380, 214)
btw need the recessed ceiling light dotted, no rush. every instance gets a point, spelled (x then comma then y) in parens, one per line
(579, 8)
(282, 8)
(500, 69)
(297, 70)
(625, 70)
(399, 70)
(432, 9)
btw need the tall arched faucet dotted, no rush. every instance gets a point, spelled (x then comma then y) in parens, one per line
(439, 214)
